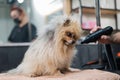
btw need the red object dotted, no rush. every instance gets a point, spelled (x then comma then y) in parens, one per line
(118, 54)
(88, 25)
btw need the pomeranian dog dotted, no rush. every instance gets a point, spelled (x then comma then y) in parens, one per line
(53, 50)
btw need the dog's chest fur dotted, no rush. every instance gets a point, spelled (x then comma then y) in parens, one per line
(63, 57)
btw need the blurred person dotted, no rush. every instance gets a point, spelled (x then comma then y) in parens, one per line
(23, 31)
(114, 38)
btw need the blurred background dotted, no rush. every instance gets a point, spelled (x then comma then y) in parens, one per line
(40, 12)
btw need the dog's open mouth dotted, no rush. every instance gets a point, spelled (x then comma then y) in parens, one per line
(69, 42)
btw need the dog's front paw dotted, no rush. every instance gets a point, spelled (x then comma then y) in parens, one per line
(58, 73)
(66, 70)
(31, 75)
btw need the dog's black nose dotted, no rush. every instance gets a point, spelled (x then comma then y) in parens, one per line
(73, 42)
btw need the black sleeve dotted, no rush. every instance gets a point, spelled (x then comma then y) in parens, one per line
(34, 31)
(9, 38)
(11, 34)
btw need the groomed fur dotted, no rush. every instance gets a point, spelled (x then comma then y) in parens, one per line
(49, 54)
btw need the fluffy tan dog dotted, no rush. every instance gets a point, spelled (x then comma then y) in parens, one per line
(51, 53)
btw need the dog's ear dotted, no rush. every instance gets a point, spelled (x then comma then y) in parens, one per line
(66, 23)
(50, 34)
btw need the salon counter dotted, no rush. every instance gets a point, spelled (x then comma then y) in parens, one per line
(14, 44)
(11, 54)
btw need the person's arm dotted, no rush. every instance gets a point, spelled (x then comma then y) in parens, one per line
(104, 38)
(115, 38)
(34, 32)
(10, 37)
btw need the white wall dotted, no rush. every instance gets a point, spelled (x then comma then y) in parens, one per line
(89, 3)
(6, 23)
(107, 4)
(118, 4)
(36, 18)
(103, 3)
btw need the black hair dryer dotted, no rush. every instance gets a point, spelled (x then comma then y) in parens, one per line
(93, 37)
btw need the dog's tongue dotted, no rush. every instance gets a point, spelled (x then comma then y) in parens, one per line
(67, 43)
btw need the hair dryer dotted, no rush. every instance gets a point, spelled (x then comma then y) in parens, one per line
(96, 35)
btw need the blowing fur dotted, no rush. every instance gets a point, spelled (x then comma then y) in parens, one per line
(52, 52)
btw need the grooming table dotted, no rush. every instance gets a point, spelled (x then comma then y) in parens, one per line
(74, 75)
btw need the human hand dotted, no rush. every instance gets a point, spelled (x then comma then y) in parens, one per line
(104, 38)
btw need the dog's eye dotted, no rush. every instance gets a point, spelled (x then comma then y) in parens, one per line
(74, 36)
(69, 34)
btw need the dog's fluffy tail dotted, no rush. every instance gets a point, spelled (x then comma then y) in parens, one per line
(10, 72)
(14, 71)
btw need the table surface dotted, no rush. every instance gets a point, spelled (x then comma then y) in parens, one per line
(74, 75)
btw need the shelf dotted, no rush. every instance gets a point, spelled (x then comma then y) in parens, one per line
(91, 10)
